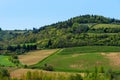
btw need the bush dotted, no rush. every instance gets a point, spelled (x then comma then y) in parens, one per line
(4, 72)
(76, 77)
(25, 66)
(48, 67)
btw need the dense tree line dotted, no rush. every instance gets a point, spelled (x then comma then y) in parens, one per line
(21, 49)
(0, 29)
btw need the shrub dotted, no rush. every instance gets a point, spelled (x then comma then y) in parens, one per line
(25, 66)
(48, 67)
(76, 77)
(4, 72)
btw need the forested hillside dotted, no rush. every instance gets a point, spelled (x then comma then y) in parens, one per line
(7, 35)
(85, 30)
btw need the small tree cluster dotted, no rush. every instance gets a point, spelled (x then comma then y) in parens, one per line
(21, 49)
(14, 59)
(48, 67)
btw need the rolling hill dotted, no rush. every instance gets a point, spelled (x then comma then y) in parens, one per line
(85, 30)
(83, 43)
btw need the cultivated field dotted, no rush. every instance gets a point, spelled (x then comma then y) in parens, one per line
(79, 59)
(34, 57)
(76, 59)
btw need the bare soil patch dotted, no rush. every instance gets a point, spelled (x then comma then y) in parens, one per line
(76, 55)
(35, 56)
(113, 57)
(103, 54)
(76, 66)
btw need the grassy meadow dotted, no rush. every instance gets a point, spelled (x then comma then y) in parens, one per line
(79, 59)
(4, 61)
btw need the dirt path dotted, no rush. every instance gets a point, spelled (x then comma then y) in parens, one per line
(35, 56)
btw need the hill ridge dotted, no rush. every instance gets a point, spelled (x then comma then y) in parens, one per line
(77, 31)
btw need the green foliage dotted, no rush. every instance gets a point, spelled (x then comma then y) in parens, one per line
(4, 72)
(0, 29)
(85, 30)
(90, 49)
(102, 69)
(105, 28)
(28, 76)
(48, 67)
(25, 66)
(14, 59)
(21, 49)
(77, 28)
(95, 32)
(76, 77)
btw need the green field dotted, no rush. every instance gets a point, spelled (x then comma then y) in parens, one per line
(90, 49)
(4, 60)
(106, 26)
(81, 58)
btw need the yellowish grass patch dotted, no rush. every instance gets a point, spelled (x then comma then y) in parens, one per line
(34, 57)
(113, 57)
(21, 72)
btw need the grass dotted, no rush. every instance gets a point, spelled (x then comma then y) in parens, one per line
(90, 49)
(79, 59)
(106, 26)
(4, 60)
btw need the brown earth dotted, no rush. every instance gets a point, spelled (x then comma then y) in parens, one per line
(34, 57)
(113, 57)
(76, 66)
(76, 55)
